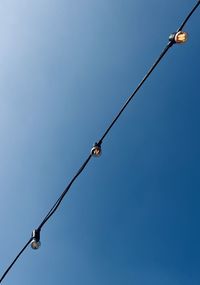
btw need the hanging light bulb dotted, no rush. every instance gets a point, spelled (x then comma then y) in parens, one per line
(96, 150)
(35, 243)
(179, 37)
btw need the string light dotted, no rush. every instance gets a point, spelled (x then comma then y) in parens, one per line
(178, 37)
(35, 243)
(96, 150)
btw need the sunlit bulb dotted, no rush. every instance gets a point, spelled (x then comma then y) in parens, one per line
(96, 150)
(35, 243)
(179, 37)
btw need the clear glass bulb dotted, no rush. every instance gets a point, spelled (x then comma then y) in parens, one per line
(181, 37)
(35, 244)
(96, 151)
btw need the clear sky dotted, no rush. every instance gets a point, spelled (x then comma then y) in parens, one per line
(66, 68)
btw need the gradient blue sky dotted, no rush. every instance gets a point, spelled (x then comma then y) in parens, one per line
(133, 215)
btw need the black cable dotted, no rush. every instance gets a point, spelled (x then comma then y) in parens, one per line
(170, 43)
(11, 265)
(188, 17)
(136, 90)
(50, 213)
(57, 203)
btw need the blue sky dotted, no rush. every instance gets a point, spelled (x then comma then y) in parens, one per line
(133, 216)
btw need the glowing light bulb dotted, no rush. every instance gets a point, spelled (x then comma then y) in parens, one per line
(179, 37)
(96, 150)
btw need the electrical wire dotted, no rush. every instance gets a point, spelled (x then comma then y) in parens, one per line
(59, 200)
(136, 90)
(57, 203)
(147, 75)
(11, 265)
(50, 213)
(188, 16)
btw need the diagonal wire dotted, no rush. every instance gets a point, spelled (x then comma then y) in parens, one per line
(57, 203)
(136, 90)
(59, 200)
(11, 265)
(188, 16)
(170, 43)
(50, 213)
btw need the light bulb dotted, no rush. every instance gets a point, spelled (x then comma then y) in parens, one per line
(35, 243)
(179, 37)
(96, 150)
